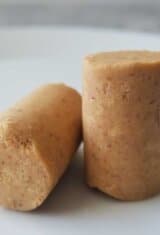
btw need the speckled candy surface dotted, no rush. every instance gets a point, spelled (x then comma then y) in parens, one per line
(38, 137)
(121, 120)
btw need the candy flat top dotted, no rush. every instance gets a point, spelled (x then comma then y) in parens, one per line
(123, 57)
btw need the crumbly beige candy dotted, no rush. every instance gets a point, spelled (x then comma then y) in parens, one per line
(121, 119)
(38, 138)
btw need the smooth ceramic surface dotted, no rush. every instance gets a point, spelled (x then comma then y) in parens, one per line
(32, 57)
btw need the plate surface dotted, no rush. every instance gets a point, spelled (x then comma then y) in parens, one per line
(30, 57)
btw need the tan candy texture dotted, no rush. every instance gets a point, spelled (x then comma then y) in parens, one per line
(38, 137)
(121, 123)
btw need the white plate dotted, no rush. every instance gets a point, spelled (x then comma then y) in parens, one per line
(34, 56)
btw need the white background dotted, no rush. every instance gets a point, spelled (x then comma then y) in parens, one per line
(72, 209)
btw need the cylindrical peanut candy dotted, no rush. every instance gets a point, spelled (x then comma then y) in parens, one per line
(38, 138)
(121, 119)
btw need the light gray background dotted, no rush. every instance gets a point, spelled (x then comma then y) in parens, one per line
(137, 15)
